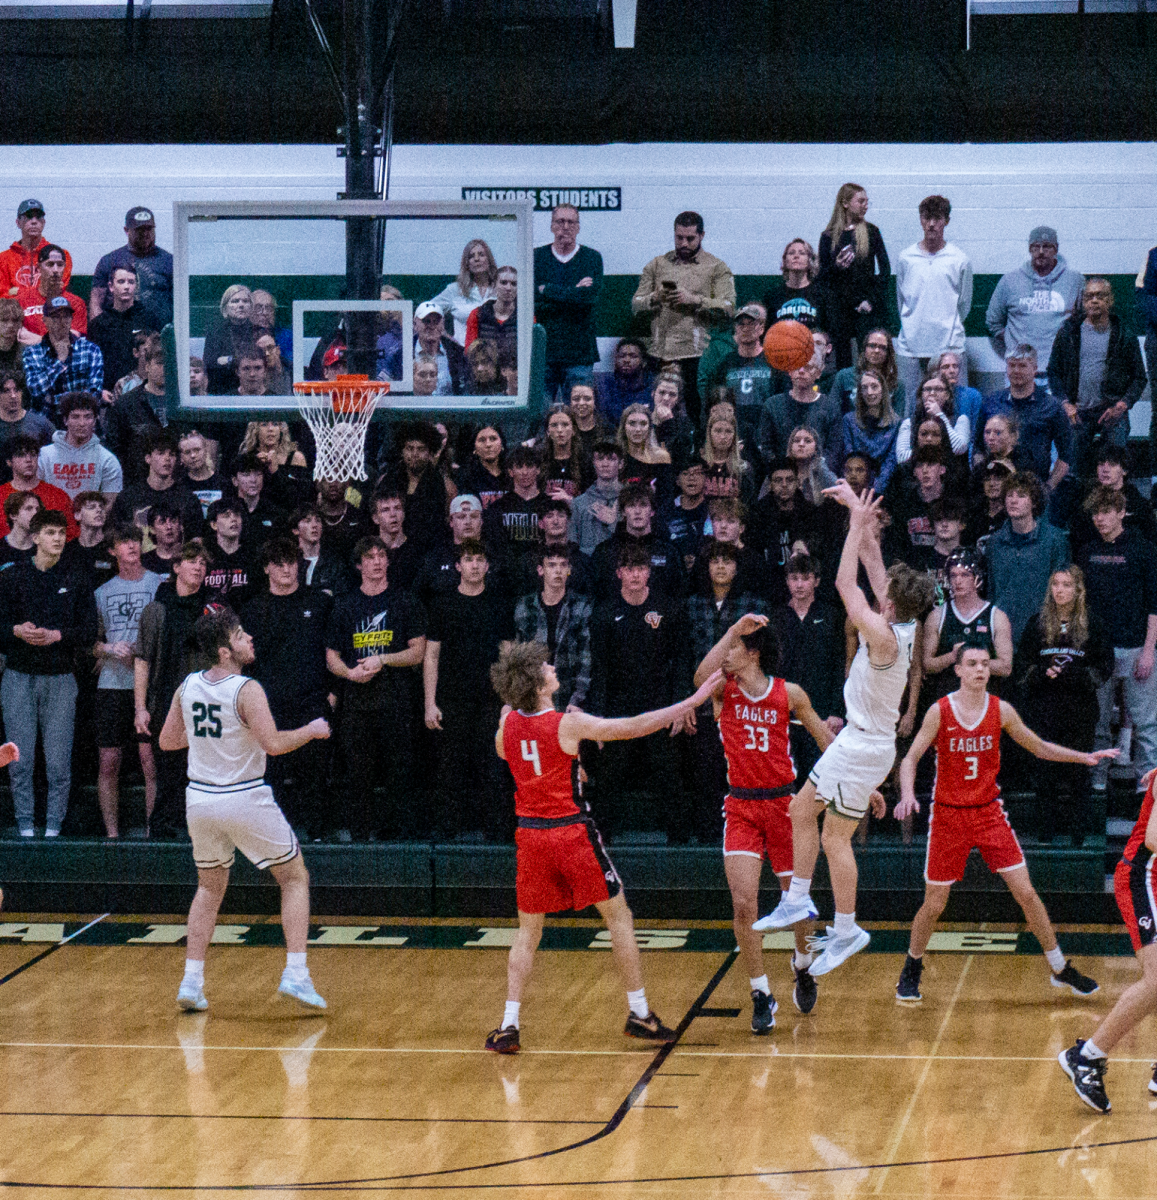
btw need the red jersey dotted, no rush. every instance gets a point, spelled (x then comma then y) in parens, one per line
(1137, 837)
(755, 731)
(545, 776)
(967, 759)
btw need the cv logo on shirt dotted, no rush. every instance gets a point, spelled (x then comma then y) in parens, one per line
(653, 619)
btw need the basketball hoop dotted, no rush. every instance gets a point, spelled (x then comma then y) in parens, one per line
(338, 413)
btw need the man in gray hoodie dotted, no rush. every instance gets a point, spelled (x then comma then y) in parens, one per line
(1031, 303)
(75, 461)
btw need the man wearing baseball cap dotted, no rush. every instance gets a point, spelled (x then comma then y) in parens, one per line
(63, 361)
(430, 337)
(154, 267)
(18, 265)
(1031, 303)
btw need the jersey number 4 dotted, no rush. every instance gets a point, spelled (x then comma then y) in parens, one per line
(530, 755)
(206, 720)
(756, 738)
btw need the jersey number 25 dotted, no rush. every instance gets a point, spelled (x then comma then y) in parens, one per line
(206, 720)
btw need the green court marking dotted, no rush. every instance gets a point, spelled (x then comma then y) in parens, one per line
(490, 937)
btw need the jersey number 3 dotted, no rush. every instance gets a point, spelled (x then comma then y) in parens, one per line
(207, 720)
(530, 755)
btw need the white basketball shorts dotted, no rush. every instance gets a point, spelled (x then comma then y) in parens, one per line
(246, 819)
(851, 769)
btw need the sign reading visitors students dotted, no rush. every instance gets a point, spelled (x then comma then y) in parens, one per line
(604, 199)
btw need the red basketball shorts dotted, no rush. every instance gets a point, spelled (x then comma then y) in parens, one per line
(954, 832)
(1133, 887)
(563, 868)
(760, 829)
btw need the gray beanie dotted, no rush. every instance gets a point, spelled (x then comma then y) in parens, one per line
(1044, 234)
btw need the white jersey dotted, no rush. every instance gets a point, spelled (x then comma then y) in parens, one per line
(223, 754)
(872, 694)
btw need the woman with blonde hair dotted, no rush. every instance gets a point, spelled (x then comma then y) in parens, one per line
(477, 275)
(232, 333)
(1063, 657)
(644, 460)
(798, 295)
(290, 482)
(854, 267)
(727, 475)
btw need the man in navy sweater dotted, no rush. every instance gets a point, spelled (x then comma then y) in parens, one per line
(47, 614)
(567, 281)
(1121, 581)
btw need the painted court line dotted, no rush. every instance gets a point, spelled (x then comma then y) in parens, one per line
(770, 1053)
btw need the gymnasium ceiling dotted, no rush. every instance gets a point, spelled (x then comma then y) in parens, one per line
(545, 71)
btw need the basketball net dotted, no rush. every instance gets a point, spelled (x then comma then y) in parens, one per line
(338, 413)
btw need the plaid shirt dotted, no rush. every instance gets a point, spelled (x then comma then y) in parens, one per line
(572, 653)
(707, 624)
(47, 377)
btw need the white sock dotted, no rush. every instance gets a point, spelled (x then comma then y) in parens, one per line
(194, 971)
(295, 965)
(761, 985)
(845, 924)
(800, 889)
(801, 961)
(637, 1001)
(510, 1016)
(1056, 957)
(1091, 1050)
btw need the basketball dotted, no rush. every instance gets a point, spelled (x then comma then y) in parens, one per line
(788, 345)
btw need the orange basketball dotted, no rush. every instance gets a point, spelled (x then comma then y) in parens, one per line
(788, 345)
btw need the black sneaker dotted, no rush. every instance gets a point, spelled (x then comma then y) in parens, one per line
(648, 1028)
(803, 995)
(763, 1010)
(1153, 1081)
(908, 989)
(503, 1041)
(1088, 1076)
(1070, 977)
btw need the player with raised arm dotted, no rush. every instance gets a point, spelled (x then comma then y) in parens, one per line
(843, 783)
(223, 718)
(1086, 1061)
(753, 710)
(562, 862)
(967, 812)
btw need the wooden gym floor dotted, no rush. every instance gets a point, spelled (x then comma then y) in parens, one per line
(105, 1089)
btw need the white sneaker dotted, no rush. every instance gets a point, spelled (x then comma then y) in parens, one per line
(788, 912)
(836, 950)
(300, 989)
(191, 997)
(29, 832)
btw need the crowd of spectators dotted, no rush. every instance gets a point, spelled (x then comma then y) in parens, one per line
(656, 503)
